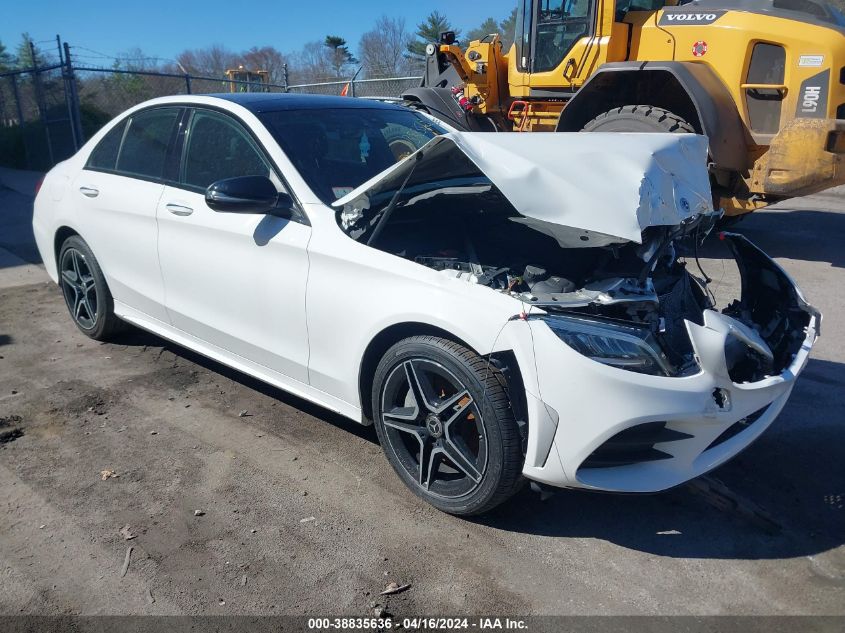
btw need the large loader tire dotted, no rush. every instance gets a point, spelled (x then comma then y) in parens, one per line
(638, 118)
(645, 118)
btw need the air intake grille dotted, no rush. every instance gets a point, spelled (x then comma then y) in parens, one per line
(633, 446)
(738, 427)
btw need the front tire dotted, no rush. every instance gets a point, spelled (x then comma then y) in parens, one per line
(445, 423)
(86, 293)
(639, 118)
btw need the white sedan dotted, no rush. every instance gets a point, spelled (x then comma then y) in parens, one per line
(501, 306)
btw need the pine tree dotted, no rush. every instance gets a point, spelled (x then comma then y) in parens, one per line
(26, 58)
(340, 56)
(6, 58)
(487, 27)
(429, 31)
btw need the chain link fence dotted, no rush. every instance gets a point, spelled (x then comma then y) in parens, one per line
(35, 125)
(48, 112)
(389, 88)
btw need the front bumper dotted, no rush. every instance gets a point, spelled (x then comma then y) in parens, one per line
(806, 156)
(697, 422)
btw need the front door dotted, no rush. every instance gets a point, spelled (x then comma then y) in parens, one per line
(235, 281)
(563, 46)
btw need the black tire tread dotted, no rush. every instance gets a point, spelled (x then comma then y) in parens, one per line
(659, 117)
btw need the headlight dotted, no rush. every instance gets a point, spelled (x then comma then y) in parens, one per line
(623, 346)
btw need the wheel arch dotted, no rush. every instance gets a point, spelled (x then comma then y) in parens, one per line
(691, 91)
(62, 233)
(504, 362)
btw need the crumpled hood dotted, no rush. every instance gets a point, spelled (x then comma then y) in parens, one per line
(583, 189)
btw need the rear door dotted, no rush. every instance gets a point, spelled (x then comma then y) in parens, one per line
(232, 280)
(117, 194)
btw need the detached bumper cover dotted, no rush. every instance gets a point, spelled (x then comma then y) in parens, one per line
(609, 429)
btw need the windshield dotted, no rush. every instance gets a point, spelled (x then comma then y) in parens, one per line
(336, 150)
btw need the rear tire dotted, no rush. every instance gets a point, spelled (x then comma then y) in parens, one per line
(638, 118)
(86, 292)
(452, 438)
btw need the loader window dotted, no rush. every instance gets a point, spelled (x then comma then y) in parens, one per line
(623, 7)
(522, 37)
(560, 24)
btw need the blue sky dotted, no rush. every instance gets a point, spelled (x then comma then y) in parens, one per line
(165, 28)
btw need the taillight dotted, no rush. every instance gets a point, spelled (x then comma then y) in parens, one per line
(38, 185)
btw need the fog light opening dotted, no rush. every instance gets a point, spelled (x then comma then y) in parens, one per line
(722, 398)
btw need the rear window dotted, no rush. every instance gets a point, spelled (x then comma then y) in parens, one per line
(104, 156)
(145, 143)
(336, 150)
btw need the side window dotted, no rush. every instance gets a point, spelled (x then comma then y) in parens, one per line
(104, 155)
(218, 147)
(145, 143)
(522, 37)
(560, 23)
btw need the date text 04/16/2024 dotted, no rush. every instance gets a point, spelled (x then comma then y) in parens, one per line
(418, 624)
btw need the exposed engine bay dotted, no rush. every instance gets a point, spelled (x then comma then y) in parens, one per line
(448, 215)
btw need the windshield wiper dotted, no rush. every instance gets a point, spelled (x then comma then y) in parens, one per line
(382, 216)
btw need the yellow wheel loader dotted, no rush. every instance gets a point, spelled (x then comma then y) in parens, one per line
(763, 79)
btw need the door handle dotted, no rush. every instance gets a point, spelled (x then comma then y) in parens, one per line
(89, 192)
(179, 209)
(569, 69)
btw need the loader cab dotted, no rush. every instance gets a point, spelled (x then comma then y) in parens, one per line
(558, 43)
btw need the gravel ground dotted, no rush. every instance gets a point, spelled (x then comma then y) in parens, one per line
(299, 513)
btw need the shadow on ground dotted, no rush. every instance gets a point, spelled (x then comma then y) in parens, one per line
(140, 338)
(774, 473)
(807, 235)
(794, 472)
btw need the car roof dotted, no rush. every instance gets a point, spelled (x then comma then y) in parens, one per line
(258, 102)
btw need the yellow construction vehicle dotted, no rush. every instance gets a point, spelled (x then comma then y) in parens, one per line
(242, 80)
(763, 79)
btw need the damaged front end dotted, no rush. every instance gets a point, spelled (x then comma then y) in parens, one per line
(528, 216)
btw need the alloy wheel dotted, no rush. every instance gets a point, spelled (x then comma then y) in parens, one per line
(435, 428)
(79, 288)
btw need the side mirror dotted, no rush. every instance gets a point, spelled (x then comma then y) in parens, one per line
(248, 194)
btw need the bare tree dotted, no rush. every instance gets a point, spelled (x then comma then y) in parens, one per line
(384, 49)
(311, 64)
(265, 58)
(212, 61)
(135, 59)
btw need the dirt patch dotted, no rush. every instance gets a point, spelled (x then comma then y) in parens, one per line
(92, 401)
(10, 428)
